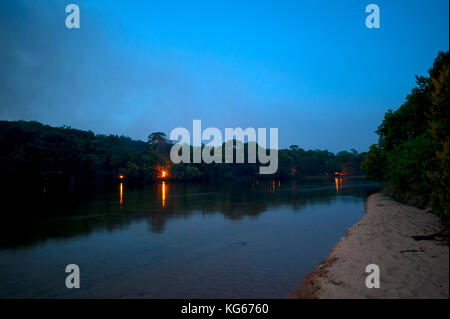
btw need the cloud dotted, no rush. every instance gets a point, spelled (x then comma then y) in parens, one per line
(80, 77)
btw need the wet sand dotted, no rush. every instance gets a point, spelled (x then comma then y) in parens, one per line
(409, 267)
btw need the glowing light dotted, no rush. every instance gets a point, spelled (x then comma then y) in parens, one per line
(121, 194)
(163, 194)
(121, 176)
(336, 181)
(163, 174)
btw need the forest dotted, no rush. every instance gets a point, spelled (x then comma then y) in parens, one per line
(412, 153)
(41, 155)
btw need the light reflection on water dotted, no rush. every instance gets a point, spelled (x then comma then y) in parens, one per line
(338, 182)
(163, 194)
(241, 240)
(121, 194)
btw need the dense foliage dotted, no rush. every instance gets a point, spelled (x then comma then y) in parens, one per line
(41, 154)
(413, 144)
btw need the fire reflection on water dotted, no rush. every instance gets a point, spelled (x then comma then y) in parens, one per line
(121, 194)
(338, 182)
(163, 194)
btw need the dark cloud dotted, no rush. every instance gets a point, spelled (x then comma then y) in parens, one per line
(79, 77)
(139, 67)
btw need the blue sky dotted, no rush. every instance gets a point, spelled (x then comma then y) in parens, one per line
(310, 68)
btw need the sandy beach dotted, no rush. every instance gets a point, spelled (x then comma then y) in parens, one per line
(390, 235)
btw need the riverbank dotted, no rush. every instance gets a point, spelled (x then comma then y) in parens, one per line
(397, 238)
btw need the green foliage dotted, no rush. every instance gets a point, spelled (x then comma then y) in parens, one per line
(412, 150)
(439, 128)
(157, 138)
(37, 153)
(408, 163)
(374, 164)
(34, 152)
(408, 121)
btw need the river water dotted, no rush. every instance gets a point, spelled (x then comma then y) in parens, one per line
(232, 240)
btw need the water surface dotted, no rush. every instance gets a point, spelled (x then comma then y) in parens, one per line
(234, 240)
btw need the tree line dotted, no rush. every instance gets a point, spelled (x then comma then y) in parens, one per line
(39, 154)
(412, 153)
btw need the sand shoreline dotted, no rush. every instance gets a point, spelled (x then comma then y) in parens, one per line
(409, 268)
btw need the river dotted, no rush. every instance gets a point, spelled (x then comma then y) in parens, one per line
(232, 240)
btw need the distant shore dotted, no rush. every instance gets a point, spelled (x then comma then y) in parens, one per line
(408, 244)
